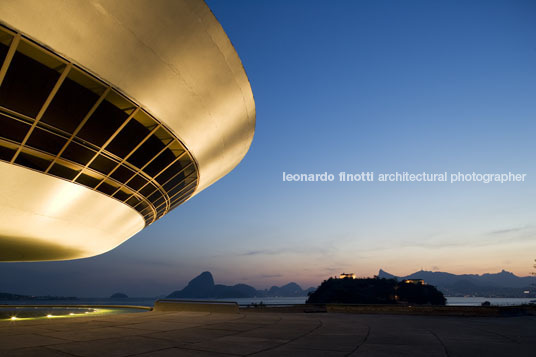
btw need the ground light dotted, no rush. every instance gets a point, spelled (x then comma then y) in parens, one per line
(21, 316)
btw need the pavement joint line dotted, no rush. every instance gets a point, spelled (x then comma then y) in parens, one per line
(233, 333)
(244, 317)
(362, 342)
(251, 329)
(130, 327)
(56, 351)
(189, 343)
(508, 338)
(47, 345)
(152, 351)
(441, 342)
(59, 338)
(192, 344)
(317, 349)
(189, 349)
(96, 339)
(320, 324)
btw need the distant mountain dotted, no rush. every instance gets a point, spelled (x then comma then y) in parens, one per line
(502, 284)
(386, 275)
(289, 290)
(203, 287)
(9, 296)
(199, 287)
(119, 296)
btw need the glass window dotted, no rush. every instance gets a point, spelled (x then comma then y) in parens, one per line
(133, 201)
(160, 212)
(158, 202)
(146, 152)
(181, 189)
(181, 199)
(32, 161)
(155, 196)
(87, 180)
(127, 139)
(121, 195)
(147, 190)
(170, 172)
(78, 153)
(70, 105)
(147, 212)
(13, 129)
(46, 141)
(63, 171)
(174, 181)
(103, 164)
(107, 188)
(137, 182)
(102, 124)
(122, 174)
(26, 85)
(159, 163)
(142, 206)
(6, 153)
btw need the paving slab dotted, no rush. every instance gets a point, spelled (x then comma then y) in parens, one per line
(237, 345)
(34, 351)
(113, 347)
(269, 334)
(191, 335)
(13, 342)
(181, 352)
(287, 351)
(390, 350)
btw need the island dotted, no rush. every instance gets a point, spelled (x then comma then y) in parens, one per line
(376, 290)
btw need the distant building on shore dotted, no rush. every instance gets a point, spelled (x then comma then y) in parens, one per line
(415, 281)
(347, 275)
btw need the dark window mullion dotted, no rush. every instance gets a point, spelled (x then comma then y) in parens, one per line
(10, 53)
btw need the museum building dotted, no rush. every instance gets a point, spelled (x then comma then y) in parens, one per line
(112, 114)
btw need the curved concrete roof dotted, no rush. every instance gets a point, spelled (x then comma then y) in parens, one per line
(171, 56)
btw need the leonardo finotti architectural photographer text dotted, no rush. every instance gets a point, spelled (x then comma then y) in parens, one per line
(404, 176)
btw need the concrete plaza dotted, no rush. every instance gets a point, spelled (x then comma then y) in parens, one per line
(162, 334)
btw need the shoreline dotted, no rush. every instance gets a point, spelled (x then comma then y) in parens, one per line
(422, 310)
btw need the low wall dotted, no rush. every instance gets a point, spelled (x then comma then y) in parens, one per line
(198, 306)
(299, 308)
(398, 309)
(433, 310)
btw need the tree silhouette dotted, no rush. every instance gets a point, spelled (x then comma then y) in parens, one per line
(375, 291)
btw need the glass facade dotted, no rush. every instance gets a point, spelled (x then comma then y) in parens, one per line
(58, 119)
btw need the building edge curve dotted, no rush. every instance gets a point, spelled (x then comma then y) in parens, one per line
(70, 221)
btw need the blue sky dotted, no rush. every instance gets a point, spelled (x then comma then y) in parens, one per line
(351, 86)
